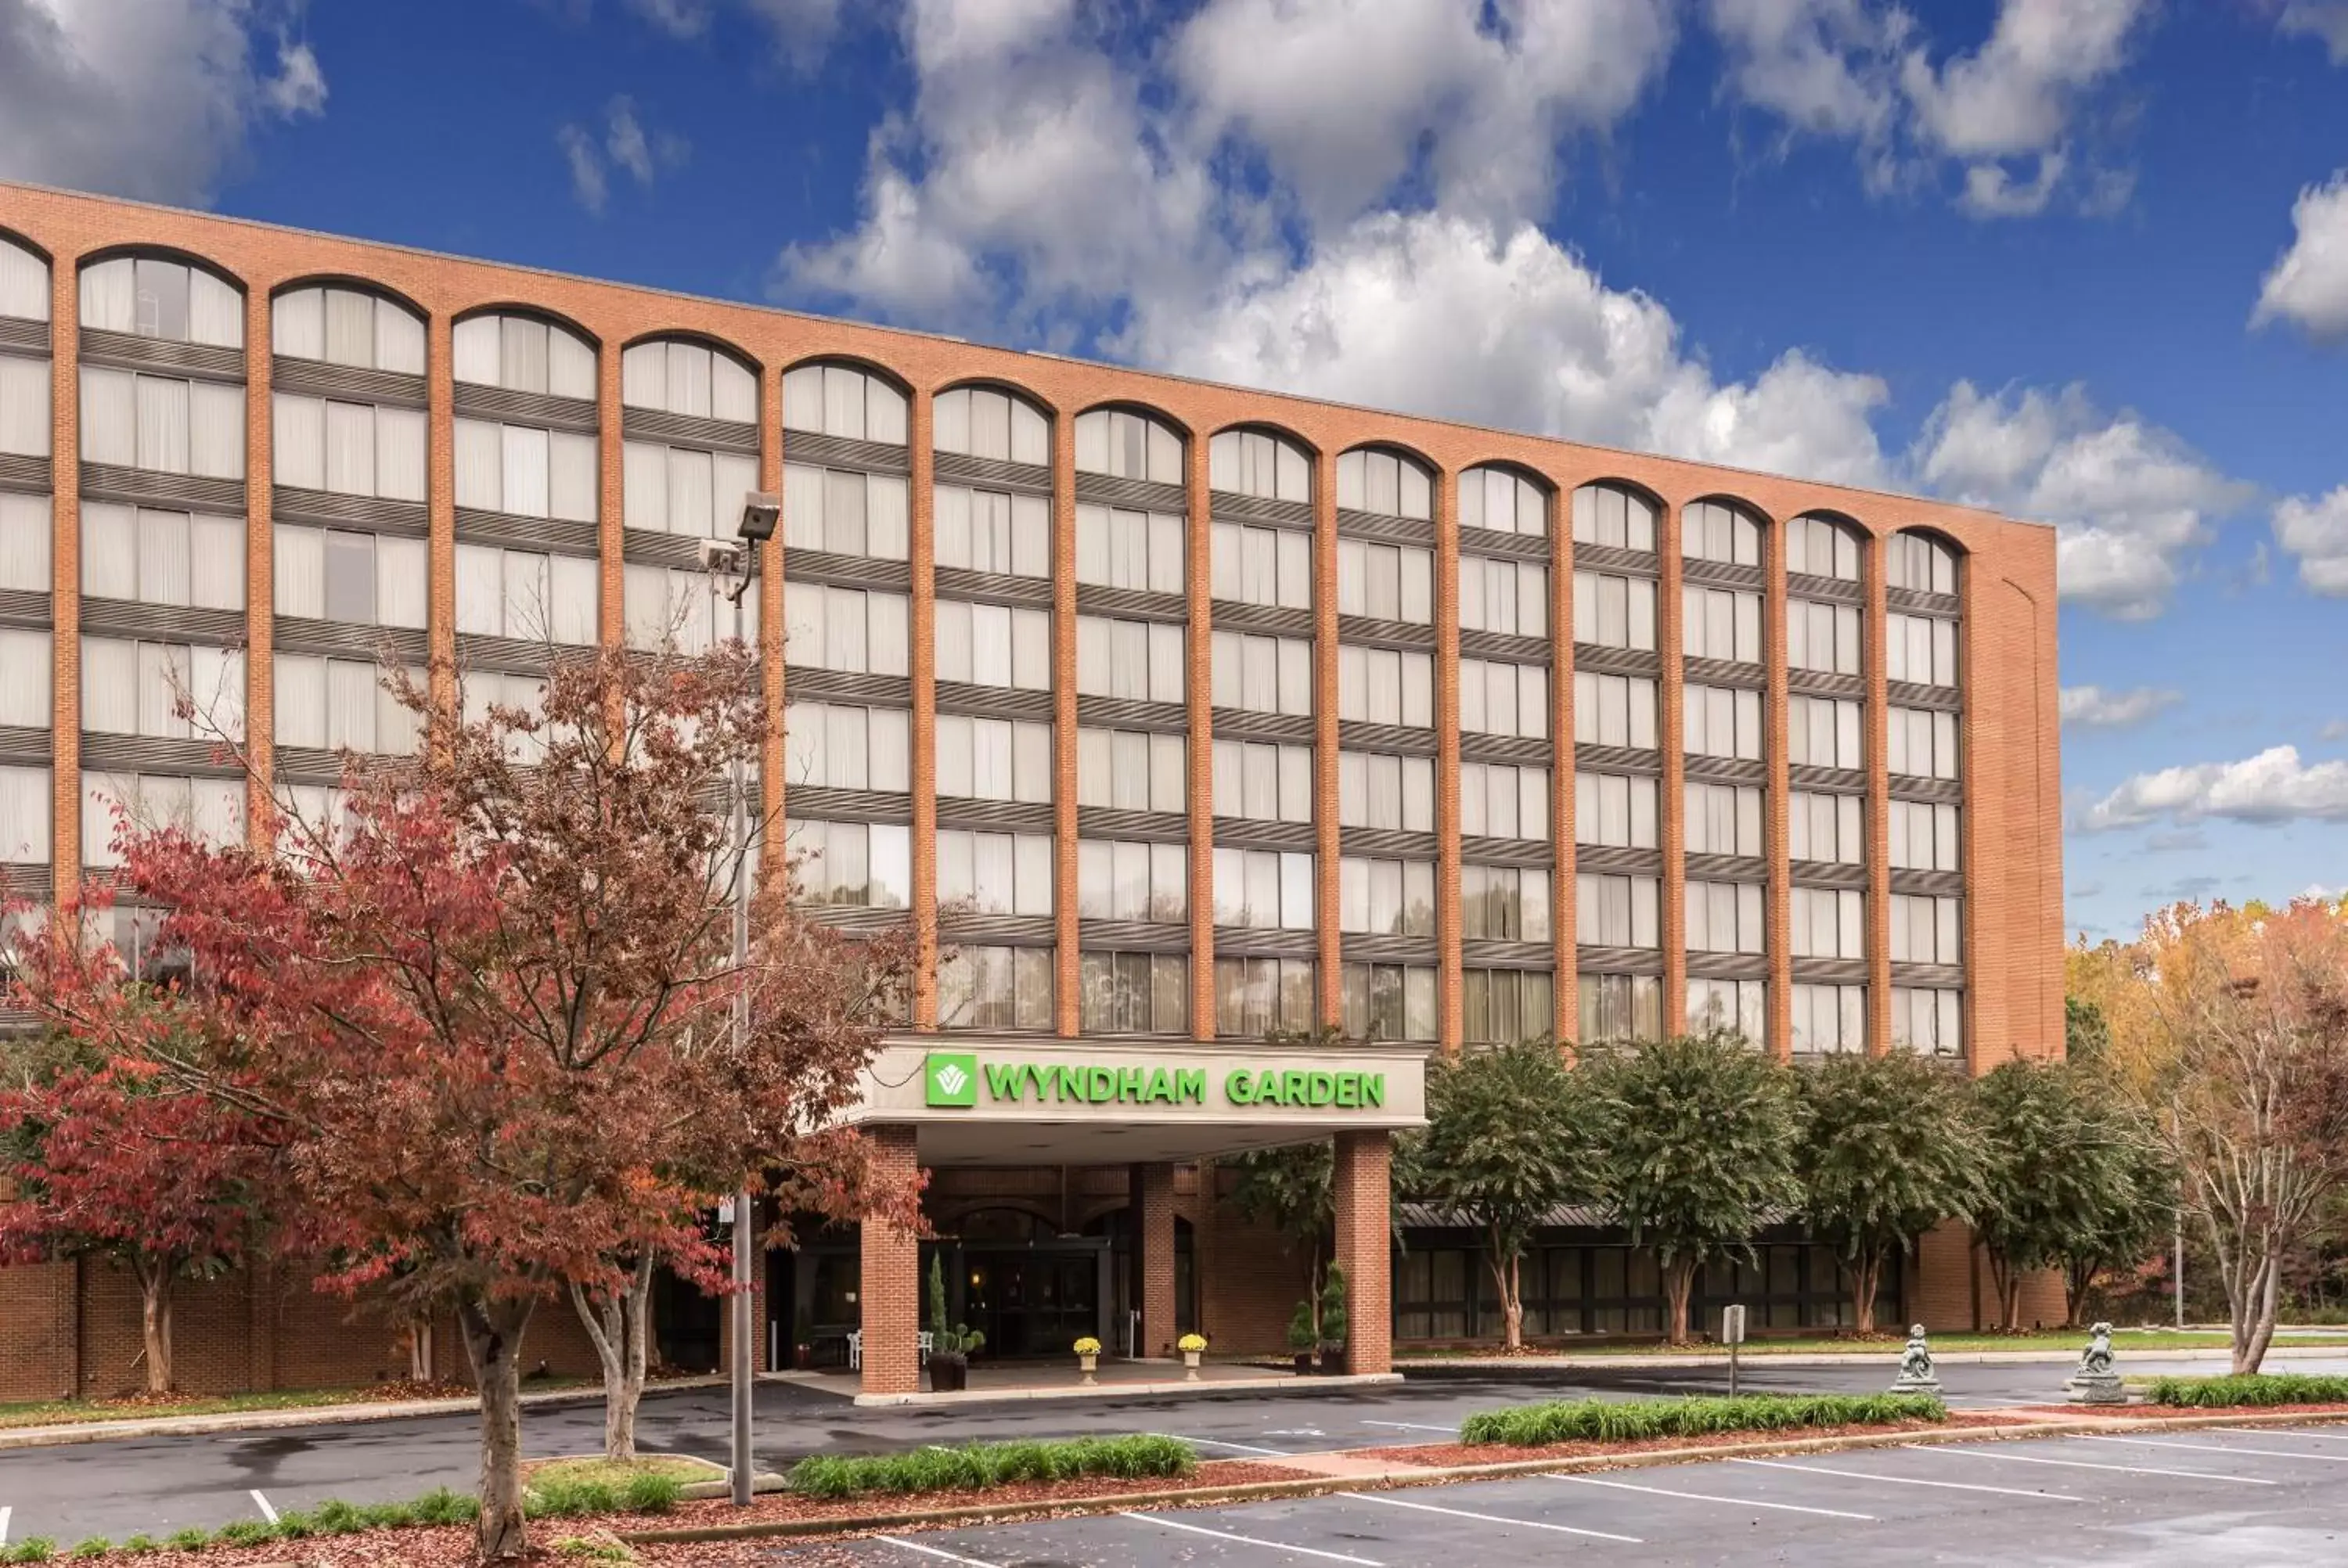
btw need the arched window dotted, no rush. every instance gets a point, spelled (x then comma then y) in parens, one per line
(24, 282)
(677, 375)
(987, 422)
(1720, 531)
(1389, 483)
(24, 377)
(1921, 563)
(1720, 617)
(1615, 517)
(159, 297)
(1822, 546)
(1502, 501)
(337, 325)
(1127, 445)
(523, 353)
(1259, 463)
(844, 400)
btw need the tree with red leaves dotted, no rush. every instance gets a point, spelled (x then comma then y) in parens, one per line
(110, 1159)
(483, 1017)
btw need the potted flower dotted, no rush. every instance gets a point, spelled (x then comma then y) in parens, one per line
(1088, 1356)
(950, 1344)
(1304, 1336)
(1333, 1324)
(1192, 1346)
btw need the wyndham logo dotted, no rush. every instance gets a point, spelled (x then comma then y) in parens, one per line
(951, 1079)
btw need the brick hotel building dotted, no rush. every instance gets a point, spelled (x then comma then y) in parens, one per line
(1172, 712)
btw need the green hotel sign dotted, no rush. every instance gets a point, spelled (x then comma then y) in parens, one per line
(955, 1080)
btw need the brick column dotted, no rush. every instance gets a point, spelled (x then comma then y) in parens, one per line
(1451, 1025)
(1328, 840)
(1777, 803)
(1067, 959)
(921, 664)
(1875, 726)
(1198, 694)
(888, 1304)
(260, 575)
(1365, 1247)
(1153, 1248)
(65, 565)
(1564, 830)
(1671, 742)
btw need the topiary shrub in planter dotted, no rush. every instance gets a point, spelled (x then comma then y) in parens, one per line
(950, 1344)
(1304, 1336)
(1334, 1325)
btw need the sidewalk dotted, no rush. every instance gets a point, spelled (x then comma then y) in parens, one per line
(1434, 1367)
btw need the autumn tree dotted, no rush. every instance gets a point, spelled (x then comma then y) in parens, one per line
(1503, 1147)
(1889, 1150)
(1698, 1133)
(110, 1158)
(485, 1013)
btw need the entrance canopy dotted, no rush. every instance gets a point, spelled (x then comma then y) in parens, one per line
(1013, 1100)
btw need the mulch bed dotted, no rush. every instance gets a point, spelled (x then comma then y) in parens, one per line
(1439, 1455)
(2179, 1412)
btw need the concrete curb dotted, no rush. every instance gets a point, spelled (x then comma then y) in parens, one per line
(1479, 1366)
(1287, 1385)
(67, 1433)
(1413, 1476)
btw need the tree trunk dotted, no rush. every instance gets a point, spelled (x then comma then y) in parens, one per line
(420, 1351)
(1509, 1279)
(1679, 1284)
(2007, 1280)
(1866, 1278)
(493, 1332)
(155, 1320)
(617, 1326)
(2254, 1318)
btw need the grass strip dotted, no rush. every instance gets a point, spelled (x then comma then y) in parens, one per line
(2249, 1388)
(1641, 1421)
(976, 1467)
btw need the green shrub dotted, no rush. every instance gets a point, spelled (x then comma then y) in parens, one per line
(441, 1506)
(33, 1549)
(245, 1533)
(293, 1524)
(142, 1544)
(95, 1546)
(192, 1538)
(1639, 1420)
(553, 1498)
(979, 1466)
(386, 1516)
(2252, 1389)
(651, 1491)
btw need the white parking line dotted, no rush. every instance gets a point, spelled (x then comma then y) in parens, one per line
(1253, 1540)
(1907, 1479)
(1713, 1497)
(1235, 1447)
(2282, 1432)
(932, 1552)
(2226, 1449)
(1411, 1427)
(5, 1512)
(1491, 1518)
(267, 1512)
(2090, 1464)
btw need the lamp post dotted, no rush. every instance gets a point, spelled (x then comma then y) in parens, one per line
(732, 567)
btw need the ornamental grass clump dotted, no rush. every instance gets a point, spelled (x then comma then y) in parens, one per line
(976, 1467)
(2250, 1388)
(1643, 1421)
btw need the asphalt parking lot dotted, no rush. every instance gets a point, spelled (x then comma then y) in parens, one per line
(2207, 1499)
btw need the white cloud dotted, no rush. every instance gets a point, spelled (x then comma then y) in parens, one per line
(2093, 708)
(677, 18)
(153, 100)
(804, 29)
(2272, 787)
(2308, 284)
(2316, 531)
(1827, 67)
(2323, 19)
(588, 184)
(626, 144)
(2014, 97)
(2131, 500)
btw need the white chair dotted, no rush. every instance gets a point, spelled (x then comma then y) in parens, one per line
(856, 1349)
(927, 1342)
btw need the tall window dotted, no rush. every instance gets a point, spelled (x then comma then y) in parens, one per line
(1383, 582)
(844, 629)
(23, 405)
(523, 353)
(688, 378)
(1715, 531)
(1385, 686)
(1613, 711)
(1824, 828)
(993, 645)
(1615, 911)
(1512, 596)
(994, 759)
(1829, 1018)
(155, 297)
(1261, 782)
(1611, 515)
(24, 694)
(1618, 812)
(1254, 996)
(1829, 923)
(160, 558)
(980, 422)
(346, 327)
(1621, 1008)
(1504, 903)
(1921, 648)
(1118, 879)
(1824, 637)
(1502, 1007)
(830, 745)
(1921, 744)
(1385, 898)
(1720, 623)
(1387, 483)
(1268, 889)
(24, 525)
(1502, 502)
(1500, 801)
(1820, 547)
(1926, 931)
(337, 703)
(674, 490)
(1725, 819)
(1124, 444)
(1378, 791)
(141, 688)
(209, 809)
(995, 873)
(1923, 565)
(24, 830)
(1822, 732)
(1501, 699)
(1120, 549)
(1266, 674)
(1274, 566)
(1134, 993)
(347, 448)
(1611, 611)
(664, 606)
(527, 594)
(1724, 917)
(1130, 770)
(526, 472)
(1929, 1022)
(1740, 1006)
(986, 530)
(858, 865)
(359, 579)
(1135, 660)
(24, 282)
(161, 424)
(1924, 837)
(996, 989)
(1257, 463)
(1389, 1001)
(1721, 721)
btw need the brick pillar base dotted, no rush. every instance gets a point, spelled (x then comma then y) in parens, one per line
(1153, 1241)
(889, 1305)
(1365, 1248)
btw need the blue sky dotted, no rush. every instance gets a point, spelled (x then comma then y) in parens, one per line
(2083, 260)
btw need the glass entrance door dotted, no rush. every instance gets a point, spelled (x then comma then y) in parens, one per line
(1034, 1301)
